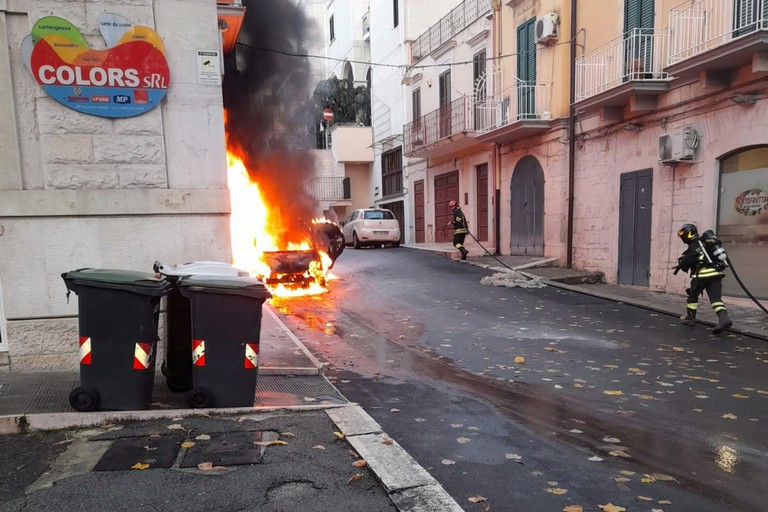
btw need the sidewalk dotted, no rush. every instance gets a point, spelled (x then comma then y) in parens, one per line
(293, 421)
(747, 318)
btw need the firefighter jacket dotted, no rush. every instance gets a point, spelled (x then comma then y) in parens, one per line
(697, 260)
(460, 225)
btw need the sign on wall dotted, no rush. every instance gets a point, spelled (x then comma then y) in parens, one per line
(127, 79)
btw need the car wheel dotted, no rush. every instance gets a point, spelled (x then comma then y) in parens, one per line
(356, 241)
(396, 244)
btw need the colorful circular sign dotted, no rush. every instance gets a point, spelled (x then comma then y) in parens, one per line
(127, 79)
(751, 202)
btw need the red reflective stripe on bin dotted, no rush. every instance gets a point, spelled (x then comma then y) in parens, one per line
(251, 355)
(85, 350)
(142, 356)
(198, 352)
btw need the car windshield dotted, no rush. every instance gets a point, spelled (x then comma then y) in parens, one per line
(378, 214)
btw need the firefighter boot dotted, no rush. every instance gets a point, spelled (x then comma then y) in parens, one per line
(689, 318)
(464, 253)
(723, 321)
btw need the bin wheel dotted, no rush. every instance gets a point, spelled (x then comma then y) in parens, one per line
(83, 399)
(178, 383)
(200, 398)
(164, 369)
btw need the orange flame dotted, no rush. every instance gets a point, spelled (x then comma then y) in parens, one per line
(256, 228)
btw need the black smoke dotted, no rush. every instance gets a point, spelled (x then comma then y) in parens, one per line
(270, 118)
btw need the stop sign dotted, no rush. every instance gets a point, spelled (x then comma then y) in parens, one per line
(327, 114)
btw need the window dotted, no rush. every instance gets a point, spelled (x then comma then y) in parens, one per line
(395, 14)
(331, 29)
(445, 128)
(478, 74)
(392, 172)
(416, 104)
(526, 70)
(379, 215)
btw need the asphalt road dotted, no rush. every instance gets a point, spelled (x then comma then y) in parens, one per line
(539, 399)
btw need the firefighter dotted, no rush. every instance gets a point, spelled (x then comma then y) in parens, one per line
(706, 261)
(460, 228)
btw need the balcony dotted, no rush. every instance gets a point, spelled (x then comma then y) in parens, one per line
(716, 36)
(449, 25)
(628, 70)
(446, 130)
(329, 189)
(515, 113)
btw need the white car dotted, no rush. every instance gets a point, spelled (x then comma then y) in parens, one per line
(371, 226)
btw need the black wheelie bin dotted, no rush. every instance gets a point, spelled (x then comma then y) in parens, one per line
(118, 318)
(226, 333)
(177, 349)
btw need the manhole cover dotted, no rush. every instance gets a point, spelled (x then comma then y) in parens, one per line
(158, 452)
(230, 449)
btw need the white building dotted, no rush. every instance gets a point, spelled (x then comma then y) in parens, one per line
(79, 190)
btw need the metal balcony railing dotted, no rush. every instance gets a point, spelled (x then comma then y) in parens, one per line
(523, 100)
(638, 55)
(328, 188)
(706, 24)
(454, 118)
(448, 26)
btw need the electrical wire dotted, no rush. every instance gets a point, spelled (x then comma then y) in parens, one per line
(397, 66)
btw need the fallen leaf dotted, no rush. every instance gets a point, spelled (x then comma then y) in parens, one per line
(645, 397)
(175, 426)
(729, 416)
(665, 502)
(613, 392)
(456, 425)
(644, 498)
(394, 410)
(354, 478)
(739, 395)
(477, 499)
(557, 490)
(626, 472)
(360, 463)
(318, 447)
(448, 462)
(648, 479)
(610, 507)
(573, 508)
(140, 465)
(664, 478)
(387, 441)
(519, 360)
(621, 479)
(620, 453)
(208, 466)
(463, 440)
(340, 435)
(187, 444)
(287, 434)
(203, 437)
(276, 442)
(513, 456)
(595, 459)
(611, 440)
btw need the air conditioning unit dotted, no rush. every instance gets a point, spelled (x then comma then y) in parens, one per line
(678, 146)
(546, 28)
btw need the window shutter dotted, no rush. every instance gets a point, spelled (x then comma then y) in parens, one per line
(526, 51)
(638, 14)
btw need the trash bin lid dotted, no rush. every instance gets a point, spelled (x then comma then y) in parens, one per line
(128, 280)
(209, 268)
(230, 285)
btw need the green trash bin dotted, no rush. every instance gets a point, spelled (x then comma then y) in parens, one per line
(226, 333)
(118, 321)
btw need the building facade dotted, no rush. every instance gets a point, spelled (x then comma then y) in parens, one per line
(80, 190)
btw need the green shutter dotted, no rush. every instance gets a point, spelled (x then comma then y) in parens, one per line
(638, 14)
(749, 15)
(526, 69)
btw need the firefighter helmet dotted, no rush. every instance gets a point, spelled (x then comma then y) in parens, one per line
(688, 233)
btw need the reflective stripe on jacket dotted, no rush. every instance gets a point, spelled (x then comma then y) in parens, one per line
(460, 225)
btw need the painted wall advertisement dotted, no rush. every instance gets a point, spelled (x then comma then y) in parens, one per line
(127, 79)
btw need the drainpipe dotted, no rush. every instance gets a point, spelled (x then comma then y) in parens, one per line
(496, 6)
(571, 135)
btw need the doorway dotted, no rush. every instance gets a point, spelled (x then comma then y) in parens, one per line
(527, 208)
(418, 209)
(635, 227)
(481, 202)
(446, 188)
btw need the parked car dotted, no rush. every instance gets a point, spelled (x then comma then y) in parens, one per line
(371, 226)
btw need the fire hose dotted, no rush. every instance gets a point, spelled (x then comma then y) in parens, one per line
(744, 287)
